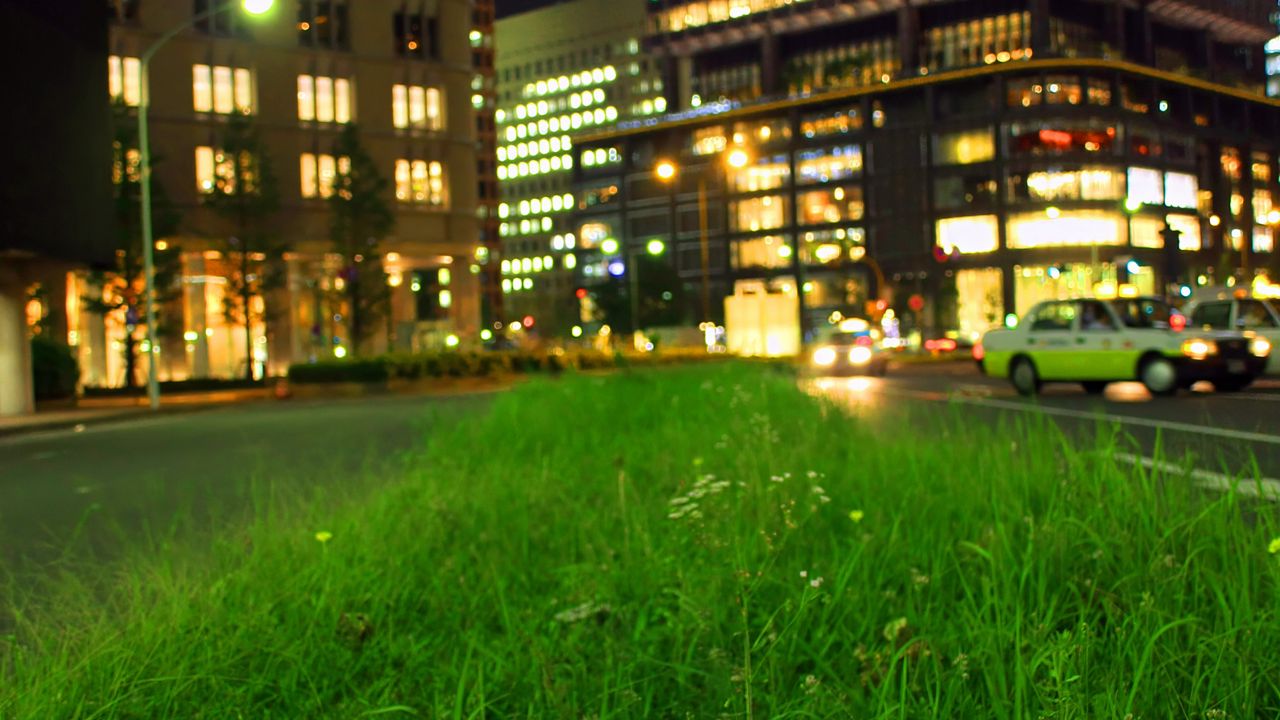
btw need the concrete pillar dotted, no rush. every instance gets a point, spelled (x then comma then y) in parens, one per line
(93, 340)
(770, 73)
(17, 396)
(1040, 39)
(195, 313)
(683, 81)
(909, 40)
(465, 289)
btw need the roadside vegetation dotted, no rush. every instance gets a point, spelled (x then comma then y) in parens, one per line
(692, 542)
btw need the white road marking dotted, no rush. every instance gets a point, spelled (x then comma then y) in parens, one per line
(1254, 487)
(1124, 420)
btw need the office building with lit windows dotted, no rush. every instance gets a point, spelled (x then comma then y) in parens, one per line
(967, 157)
(564, 70)
(403, 73)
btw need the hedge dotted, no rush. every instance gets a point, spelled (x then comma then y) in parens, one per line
(54, 370)
(481, 364)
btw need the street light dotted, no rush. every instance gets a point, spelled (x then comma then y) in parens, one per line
(251, 7)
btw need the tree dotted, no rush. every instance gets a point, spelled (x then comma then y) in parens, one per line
(661, 301)
(359, 219)
(246, 196)
(124, 285)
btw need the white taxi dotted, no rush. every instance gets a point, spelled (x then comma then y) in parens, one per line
(1095, 342)
(1222, 309)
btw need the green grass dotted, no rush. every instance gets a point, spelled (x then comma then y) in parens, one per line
(683, 543)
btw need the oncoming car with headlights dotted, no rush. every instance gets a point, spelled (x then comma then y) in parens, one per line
(848, 349)
(1096, 342)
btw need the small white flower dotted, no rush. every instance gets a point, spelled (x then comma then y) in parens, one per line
(817, 490)
(804, 573)
(816, 582)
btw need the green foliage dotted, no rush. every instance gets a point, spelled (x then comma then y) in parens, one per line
(704, 543)
(54, 369)
(246, 200)
(360, 217)
(121, 289)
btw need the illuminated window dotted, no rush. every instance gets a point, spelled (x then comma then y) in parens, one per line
(222, 89)
(1089, 183)
(1068, 228)
(420, 107)
(124, 80)
(829, 206)
(1146, 186)
(771, 251)
(216, 171)
(125, 164)
(1181, 190)
(421, 182)
(319, 173)
(964, 191)
(961, 148)
(828, 164)
(837, 122)
(766, 174)
(760, 213)
(1053, 138)
(975, 234)
(324, 99)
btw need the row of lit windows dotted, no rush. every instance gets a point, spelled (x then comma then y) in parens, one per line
(534, 148)
(537, 206)
(697, 14)
(527, 265)
(319, 172)
(221, 89)
(572, 121)
(521, 169)
(510, 285)
(533, 110)
(1065, 228)
(324, 99)
(527, 226)
(586, 78)
(415, 106)
(649, 106)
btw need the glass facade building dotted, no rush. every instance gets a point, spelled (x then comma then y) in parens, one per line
(982, 156)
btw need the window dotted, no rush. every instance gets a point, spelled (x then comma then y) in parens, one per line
(976, 234)
(761, 213)
(1094, 317)
(1053, 317)
(415, 35)
(1055, 137)
(766, 173)
(828, 164)
(962, 148)
(1066, 228)
(1088, 183)
(324, 99)
(1212, 316)
(415, 106)
(124, 80)
(421, 182)
(324, 23)
(837, 122)
(1181, 190)
(216, 171)
(1146, 186)
(223, 19)
(964, 191)
(125, 165)
(319, 174)
(223, 90)
(829, 206)
(1063, 90)
(1253, 315)
(1143, 313)
(771, 251)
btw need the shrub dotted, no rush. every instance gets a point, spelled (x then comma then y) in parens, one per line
(372, 370)
(54, 370)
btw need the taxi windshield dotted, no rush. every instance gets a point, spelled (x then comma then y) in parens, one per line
(841, 337)
(1144, 312)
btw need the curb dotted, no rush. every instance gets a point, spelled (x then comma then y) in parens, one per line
(106, 419)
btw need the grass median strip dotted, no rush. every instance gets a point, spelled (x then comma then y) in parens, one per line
(697, 542)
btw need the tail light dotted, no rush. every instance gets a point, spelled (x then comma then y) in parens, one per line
(1178, 322)
(863, 340)
(978, 352)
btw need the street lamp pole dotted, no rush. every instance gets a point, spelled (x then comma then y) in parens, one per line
(252, 7)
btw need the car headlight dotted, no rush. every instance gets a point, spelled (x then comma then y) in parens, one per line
(824, 356)
(1260, 347)
(1199, 349)
(859, 355)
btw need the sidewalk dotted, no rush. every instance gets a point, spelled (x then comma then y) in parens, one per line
(92, 411)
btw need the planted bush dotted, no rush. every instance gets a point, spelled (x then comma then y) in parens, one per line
(54, 370)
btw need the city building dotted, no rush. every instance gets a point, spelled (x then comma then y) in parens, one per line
(564, 70)
(55, 210)
(484, 100)
(950, 161)
(401, 74)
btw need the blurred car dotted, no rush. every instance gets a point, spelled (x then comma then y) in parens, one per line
(1223, 309)
(849, 349)
(1096, 342)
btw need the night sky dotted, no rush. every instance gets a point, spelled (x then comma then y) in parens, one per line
(511, 7)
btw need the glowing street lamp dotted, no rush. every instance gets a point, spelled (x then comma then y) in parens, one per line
(665, 170)
(255, 8)
(655, 247)
(737, 158)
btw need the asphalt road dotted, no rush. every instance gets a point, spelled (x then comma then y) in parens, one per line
(85, 494)
(1209, 437)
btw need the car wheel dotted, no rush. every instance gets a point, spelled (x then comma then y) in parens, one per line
(1024, 377)
(1159, 376)
(1094, 387)
(1230, 385)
